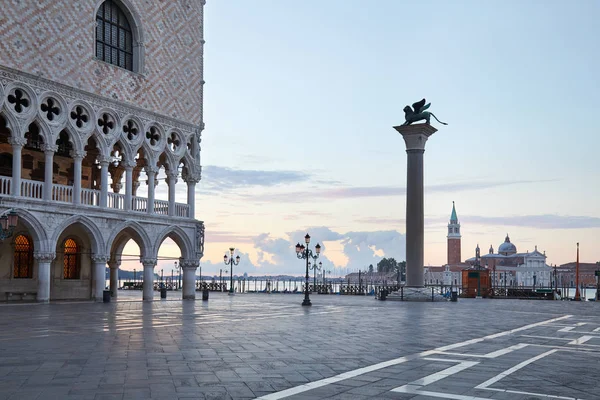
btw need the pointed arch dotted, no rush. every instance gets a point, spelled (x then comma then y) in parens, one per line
(90, 227)
(134, 231)
(74, 138)
(11, 123)
(36, 229)
(178, 235)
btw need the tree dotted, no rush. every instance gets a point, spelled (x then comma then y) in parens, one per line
(387, 265)
(371, 269)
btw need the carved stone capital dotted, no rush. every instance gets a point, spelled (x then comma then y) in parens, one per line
(148, 262)
(151, 169)
(17, 141)
(415, 136)
(49, 148)
(44, 257)
(100, 258)
(78, 155)
(128, 164)
(114, 264)
(190, 264)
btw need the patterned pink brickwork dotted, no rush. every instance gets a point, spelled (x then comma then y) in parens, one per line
(56, 39)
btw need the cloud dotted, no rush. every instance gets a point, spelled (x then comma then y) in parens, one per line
(378, 191)
(223, 178)
(544, 221)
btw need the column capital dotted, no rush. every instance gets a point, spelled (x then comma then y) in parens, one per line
(128, 164)
(112, 264)
(415, 136)
(172, 175)
(17, 141)
(44, 257)
(78, 155)
(49, 148)
(151, 169)
(100, 258)
(148, 262)
(189, 264)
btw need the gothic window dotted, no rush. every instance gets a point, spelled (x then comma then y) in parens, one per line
(23, 257)
(71, 266)
(114, 39)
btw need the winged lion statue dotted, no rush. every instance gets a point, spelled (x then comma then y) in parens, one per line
(418, 112)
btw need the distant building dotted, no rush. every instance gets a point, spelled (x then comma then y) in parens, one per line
(508, 268)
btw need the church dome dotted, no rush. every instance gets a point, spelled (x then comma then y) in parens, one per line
(507, 248)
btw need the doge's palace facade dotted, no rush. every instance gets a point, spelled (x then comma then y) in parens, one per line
(100, 107)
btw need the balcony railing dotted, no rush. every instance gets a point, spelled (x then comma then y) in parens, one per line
(90, 197)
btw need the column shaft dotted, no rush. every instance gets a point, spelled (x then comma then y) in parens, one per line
(114, 279)
(104, 184)
(189, 283)
(414, 219)
(151, 186)
(128, 186)
(15, 187)
(148, 294)
(172, 180)
(99, 282)
(191, 199)
(43, 283)
(77, 179)
(48, 173)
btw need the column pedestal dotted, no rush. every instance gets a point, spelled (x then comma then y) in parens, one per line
(415, 137)
(99, 276)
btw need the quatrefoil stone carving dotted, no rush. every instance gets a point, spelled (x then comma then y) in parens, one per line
(152, 136)
(18, 100)
(131, 129)
(173, 142)
(106, 123)
(50, 108)
(79, 116)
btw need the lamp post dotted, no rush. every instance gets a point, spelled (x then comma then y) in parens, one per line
(231, 262)
(598, 281)
(307, 254)
(8, 223)
(577, 294)
(315, 267)
(134, 272)
(178, 268)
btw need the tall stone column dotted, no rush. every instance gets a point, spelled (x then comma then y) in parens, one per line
(415, 137)
(148, 264)
(171, 181)
(48, 170)
(151, 174)
(114, 277)
(189, 278)
(191, 197)
(44, 261)
(99, 276)
(17, 145)
(77, 159)
(128, 183)
(103, 183)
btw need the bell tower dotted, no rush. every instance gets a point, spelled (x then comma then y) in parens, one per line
(454, 238)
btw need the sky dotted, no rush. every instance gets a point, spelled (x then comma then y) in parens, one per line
(300, 102)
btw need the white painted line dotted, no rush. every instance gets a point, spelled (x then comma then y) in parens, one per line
(566, 329)
(494, 354)
(550, 396)
(546, 337)
(596, 330)
(429, 379)
(415, 390)
(361, 371)
(581, 340)
(509, 371)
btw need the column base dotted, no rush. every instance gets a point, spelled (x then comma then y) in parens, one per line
(306, 303)
(417, 294)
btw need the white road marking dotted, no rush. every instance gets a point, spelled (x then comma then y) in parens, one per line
(493, 354)
(429, 379)
(582, 340)
(361, 371)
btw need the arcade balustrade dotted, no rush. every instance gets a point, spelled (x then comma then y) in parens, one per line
(90, 197)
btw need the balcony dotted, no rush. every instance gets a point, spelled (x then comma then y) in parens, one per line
(63, 194)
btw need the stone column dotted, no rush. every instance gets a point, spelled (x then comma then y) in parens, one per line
(114, 277)
(151, 173)
(104, 183)
(77, 158)
(189, 278)
(43, 279)
(415, 137)
(191, 197)
(99, 276)
(17, 145)
(128, 183)
(171, 181)
(48, 170)
(148, 264)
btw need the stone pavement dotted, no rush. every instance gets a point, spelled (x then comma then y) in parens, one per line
(268, 346)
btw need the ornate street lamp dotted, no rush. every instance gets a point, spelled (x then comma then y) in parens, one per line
(178, 269)
(8, 223)
(231, 262)
(315, 267)
(304, 253)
